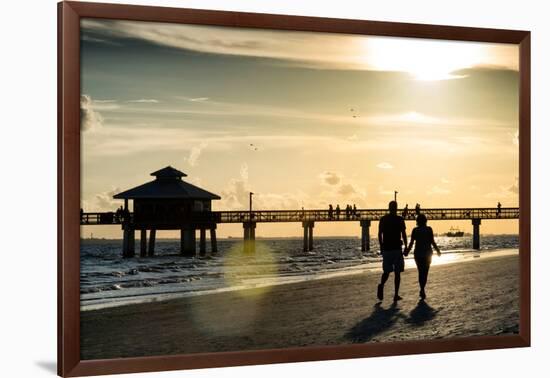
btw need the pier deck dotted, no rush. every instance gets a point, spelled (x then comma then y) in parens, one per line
(208, 220)
(280, 216)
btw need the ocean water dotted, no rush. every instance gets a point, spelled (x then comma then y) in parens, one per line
(106, 279)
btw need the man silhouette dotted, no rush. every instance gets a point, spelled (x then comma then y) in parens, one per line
(391, 236)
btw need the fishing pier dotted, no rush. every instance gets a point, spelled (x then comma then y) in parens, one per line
(169, 203)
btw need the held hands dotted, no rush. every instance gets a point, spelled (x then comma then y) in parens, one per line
(406, 252)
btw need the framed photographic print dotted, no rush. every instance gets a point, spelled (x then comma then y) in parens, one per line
(239, 188)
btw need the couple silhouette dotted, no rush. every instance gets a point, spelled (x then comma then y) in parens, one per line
(392, 236)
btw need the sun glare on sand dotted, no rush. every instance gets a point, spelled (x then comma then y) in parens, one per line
(426, 59)
(250, 274)
(250, 270)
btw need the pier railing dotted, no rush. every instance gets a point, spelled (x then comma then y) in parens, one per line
(274, 216)
(265, 216)
(104, 218)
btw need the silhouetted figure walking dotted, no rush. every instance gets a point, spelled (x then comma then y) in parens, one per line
(354, 210)
(423, 236)
(499, 209)
(330, 211)
(348, 211)
(337, 211)
(417, 209)
(391, 236)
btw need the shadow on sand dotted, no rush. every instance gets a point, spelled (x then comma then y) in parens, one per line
(377, 322)
(421, 314)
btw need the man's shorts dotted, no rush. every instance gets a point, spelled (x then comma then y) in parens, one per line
(393, 261)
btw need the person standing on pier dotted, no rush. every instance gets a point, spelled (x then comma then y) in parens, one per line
(405, 211)
(338, 212)
(423, 235)
(118, 214)
(330, 211)
(499, 209)
(391, 236)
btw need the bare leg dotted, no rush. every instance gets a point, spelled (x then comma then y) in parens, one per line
(397, 281)
(423, 269)
(385, 277)
(380, 291)
(423, 276)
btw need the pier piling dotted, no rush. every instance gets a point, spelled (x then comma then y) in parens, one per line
(189, 243)
(249, 245)
(182, 241)
(310, 240)
(308, 235)
(152, 237)
(476, 222)
(128, 242)
(365, 235)
(143, 243)
(202, 242)
(213, 240)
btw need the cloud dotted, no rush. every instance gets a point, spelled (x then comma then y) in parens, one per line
(144, 101)
(102, 201)
(445, 180)
(235, 196)
(338, 188)
(96, 101)
(437, 190)
(424, 59)
(506, 193)
(90, 119)
(384, 165)
(385, 192)
(330, 178)
(199, 99)
(514, 188)
(195, 153)
(347, 190)
(88, 38)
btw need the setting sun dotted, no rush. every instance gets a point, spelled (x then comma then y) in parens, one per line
(429, 60)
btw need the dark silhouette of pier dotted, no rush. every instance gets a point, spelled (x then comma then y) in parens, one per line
(308, 218)
(169, 203)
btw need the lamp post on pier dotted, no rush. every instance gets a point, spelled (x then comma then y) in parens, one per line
(250, 204)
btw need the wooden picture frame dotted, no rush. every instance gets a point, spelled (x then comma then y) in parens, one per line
(69, 15)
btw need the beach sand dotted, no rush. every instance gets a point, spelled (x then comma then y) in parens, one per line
(470, 298)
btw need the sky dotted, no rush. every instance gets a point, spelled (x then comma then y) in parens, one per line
(301, 119)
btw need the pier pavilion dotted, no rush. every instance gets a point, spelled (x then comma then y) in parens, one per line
(167, 203)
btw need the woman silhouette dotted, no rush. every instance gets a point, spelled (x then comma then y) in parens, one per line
(423, 235)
